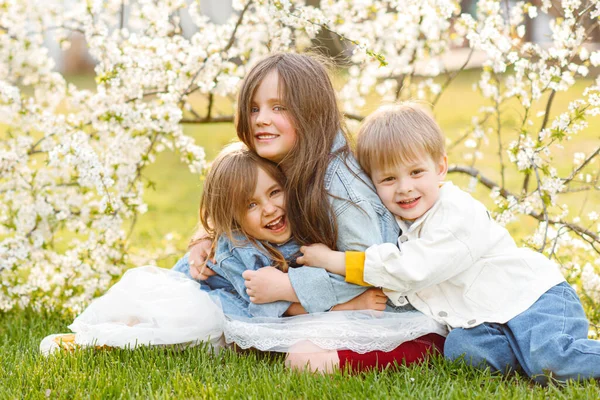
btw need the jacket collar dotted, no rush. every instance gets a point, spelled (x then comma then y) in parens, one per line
(338, 142)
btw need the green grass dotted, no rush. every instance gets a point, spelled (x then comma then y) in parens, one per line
(197, 373)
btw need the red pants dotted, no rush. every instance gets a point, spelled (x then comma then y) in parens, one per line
(407, 353)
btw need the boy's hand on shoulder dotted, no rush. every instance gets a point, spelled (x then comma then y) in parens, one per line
(267, 285)
(319, 255)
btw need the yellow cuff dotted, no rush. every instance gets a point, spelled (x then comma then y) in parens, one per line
(355, 267)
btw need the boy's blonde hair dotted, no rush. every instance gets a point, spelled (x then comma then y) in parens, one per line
(398, 134)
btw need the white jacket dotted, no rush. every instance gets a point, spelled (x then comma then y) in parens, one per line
(457, 265)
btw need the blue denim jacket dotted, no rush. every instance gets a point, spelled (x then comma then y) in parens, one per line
(227, 287)
(233, 258)
(362, 221)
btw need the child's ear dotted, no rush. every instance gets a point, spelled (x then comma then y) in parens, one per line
(443, 167)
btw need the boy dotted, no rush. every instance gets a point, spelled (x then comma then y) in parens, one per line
(508, 308)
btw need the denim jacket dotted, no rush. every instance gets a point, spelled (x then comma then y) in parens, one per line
(362, 221)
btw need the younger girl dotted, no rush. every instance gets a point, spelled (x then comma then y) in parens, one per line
(244, 201)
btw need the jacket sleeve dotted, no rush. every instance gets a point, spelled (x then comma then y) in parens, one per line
(445, 249)
(234, 266)
(355, 267)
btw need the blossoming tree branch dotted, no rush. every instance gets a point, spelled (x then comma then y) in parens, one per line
(73, 161)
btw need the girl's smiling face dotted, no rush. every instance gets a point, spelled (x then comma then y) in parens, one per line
(265, 217)
(273, 133)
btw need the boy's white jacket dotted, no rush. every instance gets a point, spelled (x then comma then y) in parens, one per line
(457, 265)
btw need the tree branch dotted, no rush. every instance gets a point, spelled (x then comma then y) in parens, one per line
(506, 194)
(583, 164)
(211, 120)
(230, 43)
(451, 77)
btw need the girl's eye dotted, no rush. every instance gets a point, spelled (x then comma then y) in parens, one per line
(275, 192)
(253, 109)
(252, 205)
(279, 108)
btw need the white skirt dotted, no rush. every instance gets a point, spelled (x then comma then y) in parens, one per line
(155, 307)
(150, 306)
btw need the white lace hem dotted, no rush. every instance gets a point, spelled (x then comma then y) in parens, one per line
(359, 331)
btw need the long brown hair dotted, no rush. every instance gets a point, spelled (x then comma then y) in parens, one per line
(310, 100)
(228, 187)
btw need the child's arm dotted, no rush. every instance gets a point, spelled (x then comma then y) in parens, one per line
(319, 255)
(447, 248)
(349, 264)
(269, 284)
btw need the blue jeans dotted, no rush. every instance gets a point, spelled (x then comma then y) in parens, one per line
(550, 337)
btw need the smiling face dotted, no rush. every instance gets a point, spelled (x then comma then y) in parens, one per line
(273, 133)
(265, 217)
(410, 189)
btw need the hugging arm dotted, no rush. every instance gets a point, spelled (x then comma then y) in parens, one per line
(319, 255)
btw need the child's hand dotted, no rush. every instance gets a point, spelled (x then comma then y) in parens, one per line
(267, 285)
(319, 255)
(372, 299)
(197, 259)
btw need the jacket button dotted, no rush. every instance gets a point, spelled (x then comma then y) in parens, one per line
(443, 314)
(402, 301)
(471, 322)
(403, 239)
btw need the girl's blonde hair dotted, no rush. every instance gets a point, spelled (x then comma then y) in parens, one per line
(228, 188)
(308, 95)
(398, 134)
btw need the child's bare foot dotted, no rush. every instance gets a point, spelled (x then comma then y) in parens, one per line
(372, 299)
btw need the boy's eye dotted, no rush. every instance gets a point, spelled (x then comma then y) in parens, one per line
(417, 172)
(388, 179)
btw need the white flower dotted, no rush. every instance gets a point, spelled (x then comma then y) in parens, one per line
(532, 12)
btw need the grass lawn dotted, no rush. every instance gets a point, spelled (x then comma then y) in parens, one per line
(196, 373)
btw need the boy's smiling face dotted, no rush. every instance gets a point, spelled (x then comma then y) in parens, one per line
(410, 190)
